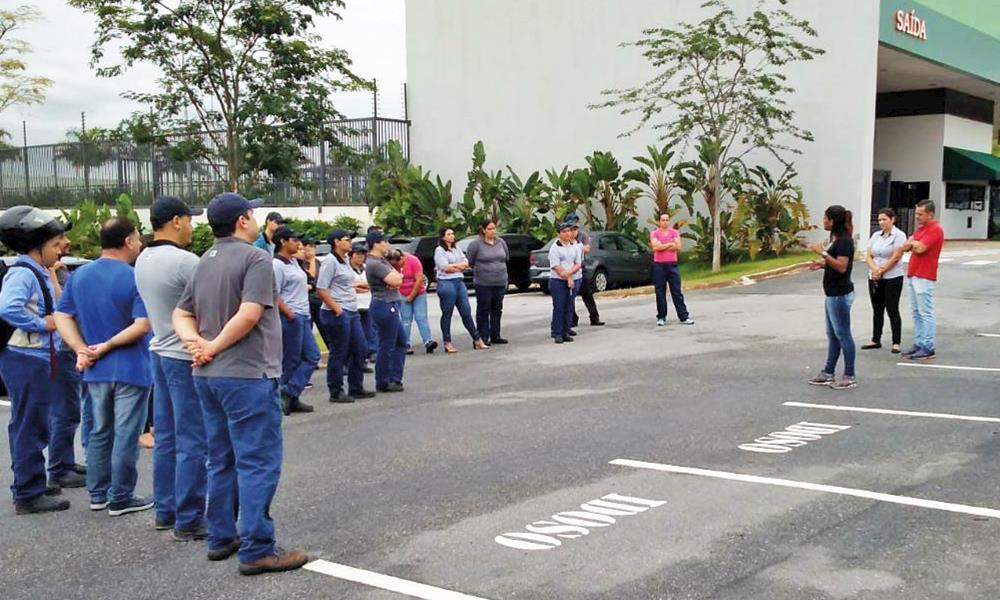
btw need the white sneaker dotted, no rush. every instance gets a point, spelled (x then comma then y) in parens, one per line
(661, 322)
(688, 321)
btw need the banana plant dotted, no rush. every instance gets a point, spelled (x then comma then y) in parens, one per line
(612, 189)
(483, 191)
(521, 201)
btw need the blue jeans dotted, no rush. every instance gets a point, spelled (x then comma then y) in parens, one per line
(838, 334)
(563, 299)
(348, 348)
(30, 391)
(300, 354)
(179, 478)
(119, 414)
(368, 326)
(664, 275)
(922, 304)
(391, 357)
(64, 415)
(489, 310)
(452, 294)
(416, 310)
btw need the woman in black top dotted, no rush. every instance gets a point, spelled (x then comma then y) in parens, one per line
(837, 261)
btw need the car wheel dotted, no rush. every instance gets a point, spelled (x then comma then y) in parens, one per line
(600, 283)
(545, 287)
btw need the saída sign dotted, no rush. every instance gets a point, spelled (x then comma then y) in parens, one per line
(910, 24)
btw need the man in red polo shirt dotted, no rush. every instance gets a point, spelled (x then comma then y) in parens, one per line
(921, 278)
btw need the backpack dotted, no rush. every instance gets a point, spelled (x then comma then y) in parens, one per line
(6, 331)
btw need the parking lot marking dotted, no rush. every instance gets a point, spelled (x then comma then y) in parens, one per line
(4, 402)
(815, 487)
(888, 411)
(989, 335)
(978, 263)
(952, 367)
(386, 582)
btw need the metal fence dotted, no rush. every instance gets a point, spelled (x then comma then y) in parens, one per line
(59, 175)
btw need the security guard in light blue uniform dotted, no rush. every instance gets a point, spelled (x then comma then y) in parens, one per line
(28, 363)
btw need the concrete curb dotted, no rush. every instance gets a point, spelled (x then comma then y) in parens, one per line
(749, 279)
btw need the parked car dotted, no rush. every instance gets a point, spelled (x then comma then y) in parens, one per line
(519, 266)
(422, 247)
(615, 260)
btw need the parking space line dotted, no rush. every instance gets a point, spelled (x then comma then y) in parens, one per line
(978, 263)
(815, 487)
(952, 367)
(386, 582)
(889, 411)
(4, 402)
(989, 335)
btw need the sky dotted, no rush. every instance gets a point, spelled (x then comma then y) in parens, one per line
(372, 31)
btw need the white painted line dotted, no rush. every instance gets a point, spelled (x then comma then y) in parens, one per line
(951, 367)
(888, 411)
(944, 260)
(989, 335)
(4, 402)
(977, 263)
(816, 487)
(386, 582)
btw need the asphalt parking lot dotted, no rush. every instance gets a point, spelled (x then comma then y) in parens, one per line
(613, 468)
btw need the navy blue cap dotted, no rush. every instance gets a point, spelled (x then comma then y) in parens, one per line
(339, 234)
(225, 208)
(375, 237)
(283, 233)
(565, 226)
(165, 208)
(572, 218)
(359, 246)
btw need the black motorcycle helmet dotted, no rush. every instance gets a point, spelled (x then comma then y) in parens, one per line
(24, 228)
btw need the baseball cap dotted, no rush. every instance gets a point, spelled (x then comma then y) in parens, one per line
(339, 234)
(572, 218)
(283, 233)
(225, 208)
(374, 237)
(307, 240)
(564, 226)
(359, 247)
(276, 217)
(166, 208)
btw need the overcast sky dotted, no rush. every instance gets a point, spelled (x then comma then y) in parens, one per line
(372, 31)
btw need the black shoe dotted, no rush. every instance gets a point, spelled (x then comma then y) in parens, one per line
(431, 346)
(308, 386)
(500, 341)
(362, 395)
(53, 489)
(224, 552)
(597, 323)
(70, 480)
(368, 369)
(194, 535)
(568, 338)
(81, 469)
(163, 524)
(341, 398)
(559, 340)
(395, 386)
(286, 404)
(40, 504)
(299, 406)
(133, 504)
(571, 333)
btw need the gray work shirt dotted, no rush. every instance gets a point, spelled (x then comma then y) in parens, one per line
(292, 283)
(881, 248)
(488, 262)
(375, 270)
(338, 278)
(231, 273)
(162, 272)
(567, 257)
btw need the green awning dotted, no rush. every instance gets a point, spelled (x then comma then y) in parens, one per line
(968, 165)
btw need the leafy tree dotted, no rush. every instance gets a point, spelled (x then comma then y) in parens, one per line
(405, 198)
(659, 178)
(253, 72)
(484, 191)
(16, 86)
(771, 212)
(88, 216)
(612, 190)
(720, 81)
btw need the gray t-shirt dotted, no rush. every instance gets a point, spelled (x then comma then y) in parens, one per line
(292, 283)
(443, 258)
(375, 270)
(162, 272)
(338, 278)
(882, 247)
(488, 262)
(231, 273)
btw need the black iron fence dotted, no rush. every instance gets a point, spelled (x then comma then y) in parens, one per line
(59, 175)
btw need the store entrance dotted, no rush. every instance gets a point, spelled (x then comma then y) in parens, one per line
(900, 196)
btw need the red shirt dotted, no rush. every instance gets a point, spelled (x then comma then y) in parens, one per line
(665, 256)
(925, 266)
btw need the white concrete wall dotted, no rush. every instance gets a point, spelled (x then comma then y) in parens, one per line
(519, 76)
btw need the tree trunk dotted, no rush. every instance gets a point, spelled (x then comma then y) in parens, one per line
(232, 160)
(716, 230)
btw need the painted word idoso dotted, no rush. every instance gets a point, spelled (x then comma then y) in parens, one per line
(793, 436)
(572, 524)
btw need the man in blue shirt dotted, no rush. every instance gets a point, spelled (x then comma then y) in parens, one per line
(102, 318)
(28, 363)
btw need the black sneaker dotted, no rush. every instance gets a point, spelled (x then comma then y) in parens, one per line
(568, 338)
(597, 323)
(133, 504)
(308, 386)
(224, 552)
(572, 333)
(79, 468)
(163, 524)
(286, 404)
(368, 369)
(301, 407)
(71, 479)
(362, 395)
(431, 346)
(40, 504)
(558, 340)
(98, 503)
(197, 534)
(341, 398)
(500, 341)
(912, 350)
(395, 386)
(53, 489)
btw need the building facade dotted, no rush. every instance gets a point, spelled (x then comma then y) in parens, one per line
(901, 105)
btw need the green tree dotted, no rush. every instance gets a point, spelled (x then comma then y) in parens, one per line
(721, 81)
(88, 216)
(16, 85)
(253, 72)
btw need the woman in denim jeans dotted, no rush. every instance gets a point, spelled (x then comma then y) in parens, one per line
(837, 260)
(450, 264)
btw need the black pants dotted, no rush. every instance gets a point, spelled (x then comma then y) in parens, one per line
(587, 293)
(489, 309)
(885, 295)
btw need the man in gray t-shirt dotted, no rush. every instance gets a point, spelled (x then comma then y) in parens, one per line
(162, 273)
(228, 321)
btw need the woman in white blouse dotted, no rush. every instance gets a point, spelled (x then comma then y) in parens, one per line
(450, 265)
(885, 278)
